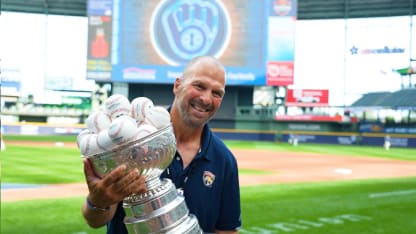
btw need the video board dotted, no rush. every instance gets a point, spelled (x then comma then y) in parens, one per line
(151, 41)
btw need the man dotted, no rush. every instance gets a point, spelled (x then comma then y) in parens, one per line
(387, 142)
(203, 167)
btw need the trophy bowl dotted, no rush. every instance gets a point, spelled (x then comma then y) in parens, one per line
(150, 154)
(162, 208)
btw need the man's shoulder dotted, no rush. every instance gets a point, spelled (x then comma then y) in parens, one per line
(218, 142)
(218, 147)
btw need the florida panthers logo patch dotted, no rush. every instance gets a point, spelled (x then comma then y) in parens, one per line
(208, 178)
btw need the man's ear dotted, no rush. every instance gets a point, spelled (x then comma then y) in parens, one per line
(176, 85)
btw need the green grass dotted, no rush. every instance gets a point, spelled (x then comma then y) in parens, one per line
(381, 206)
(45, 217)
(367, 206)
(41, 165)
(252, 172)
(328, 149)
(40, 138)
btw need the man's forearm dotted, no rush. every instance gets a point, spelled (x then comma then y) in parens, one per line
(97, 218)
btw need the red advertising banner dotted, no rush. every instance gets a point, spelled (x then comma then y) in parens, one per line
(279, 73)
(99, 47)
(307, 97)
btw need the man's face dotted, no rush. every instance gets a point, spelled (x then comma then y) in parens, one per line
(199, 96)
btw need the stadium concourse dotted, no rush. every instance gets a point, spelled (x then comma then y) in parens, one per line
(281, 167)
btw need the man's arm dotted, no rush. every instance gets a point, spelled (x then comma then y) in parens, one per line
(105, 193)
(98, 218)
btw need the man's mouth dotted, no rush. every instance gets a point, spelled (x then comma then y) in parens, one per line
(203, 109)
(199, 108)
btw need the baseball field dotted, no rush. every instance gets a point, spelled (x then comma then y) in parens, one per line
(284, 189)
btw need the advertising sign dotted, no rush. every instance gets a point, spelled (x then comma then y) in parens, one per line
(99, 40)
(307, 97)
(281, 42)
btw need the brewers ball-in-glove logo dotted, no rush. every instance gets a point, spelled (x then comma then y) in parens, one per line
(183, 29)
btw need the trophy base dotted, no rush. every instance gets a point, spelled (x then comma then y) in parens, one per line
(160, 210)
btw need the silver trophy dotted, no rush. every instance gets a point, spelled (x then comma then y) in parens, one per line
(162, 209)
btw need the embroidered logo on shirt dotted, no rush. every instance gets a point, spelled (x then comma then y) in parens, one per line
(208, 178)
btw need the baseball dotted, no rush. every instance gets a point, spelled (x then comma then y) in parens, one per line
(158, 116)
(144, 130)
(97, 121)
(88, 145)
(139, 108)
(81, 135)
(117, 105)
(122, 129)
(104, 141)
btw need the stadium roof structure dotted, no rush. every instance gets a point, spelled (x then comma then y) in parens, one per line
(402, 99)
(307, 9)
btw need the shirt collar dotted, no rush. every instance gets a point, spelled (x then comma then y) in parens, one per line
(205, 142)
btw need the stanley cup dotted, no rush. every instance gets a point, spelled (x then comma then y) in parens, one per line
(162, 209)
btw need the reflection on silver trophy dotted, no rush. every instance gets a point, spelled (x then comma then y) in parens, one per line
(162, 209)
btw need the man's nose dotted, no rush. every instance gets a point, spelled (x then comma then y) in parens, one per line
(206, 97)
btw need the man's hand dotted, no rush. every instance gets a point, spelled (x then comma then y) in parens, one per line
(114, 187)
(107, 192)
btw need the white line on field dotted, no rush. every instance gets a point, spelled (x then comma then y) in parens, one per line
(344, 171)
(392, 193)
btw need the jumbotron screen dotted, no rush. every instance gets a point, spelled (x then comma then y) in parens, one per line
(151, 41)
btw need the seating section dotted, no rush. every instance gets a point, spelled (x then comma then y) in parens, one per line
(405, 98)
(375, 99)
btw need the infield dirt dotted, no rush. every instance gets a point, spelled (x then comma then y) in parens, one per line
(280, 167)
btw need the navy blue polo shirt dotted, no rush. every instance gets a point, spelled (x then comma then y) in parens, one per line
(210, 184)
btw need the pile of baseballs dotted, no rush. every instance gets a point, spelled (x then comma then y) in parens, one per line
(120, 121)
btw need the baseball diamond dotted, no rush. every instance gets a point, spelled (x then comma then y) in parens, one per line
(279, 167)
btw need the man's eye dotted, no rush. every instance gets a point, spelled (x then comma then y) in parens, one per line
(217, 95)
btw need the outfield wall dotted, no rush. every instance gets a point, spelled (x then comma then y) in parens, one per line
(367, 139)
(47, 129)
(317, 137)
(33, 128)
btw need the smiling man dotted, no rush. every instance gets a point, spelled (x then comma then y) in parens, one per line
(203, 167)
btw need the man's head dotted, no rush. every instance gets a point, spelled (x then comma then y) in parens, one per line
(199, 92)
